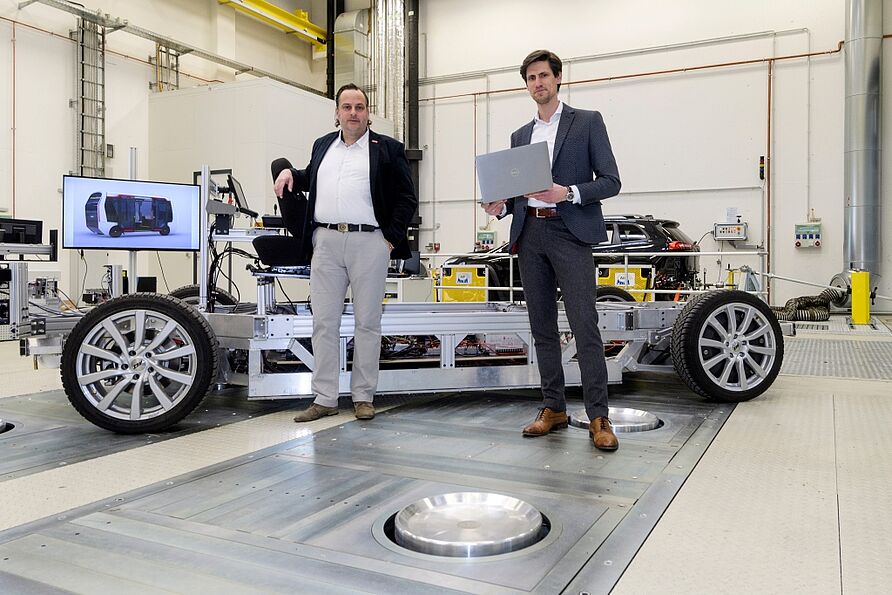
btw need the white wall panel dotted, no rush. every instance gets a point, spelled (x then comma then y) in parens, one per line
(687, 144)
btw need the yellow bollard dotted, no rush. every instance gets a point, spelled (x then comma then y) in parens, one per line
(730, 282)
(860, 297)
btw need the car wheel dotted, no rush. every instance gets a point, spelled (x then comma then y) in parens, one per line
(139, 363)
(115, 232)
(609, 293)
(165, 230)
(727, 346)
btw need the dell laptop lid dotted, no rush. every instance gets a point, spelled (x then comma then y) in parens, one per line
(514, 172)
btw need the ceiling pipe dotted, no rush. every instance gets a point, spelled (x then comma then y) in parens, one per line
(619, 77)
(863, 145)
(412, 149)
(335, 7)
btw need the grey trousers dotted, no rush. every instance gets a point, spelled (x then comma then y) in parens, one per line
(358, 259)
(549, 256)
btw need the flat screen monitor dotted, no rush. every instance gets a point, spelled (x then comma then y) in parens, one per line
(238, 194)
(21, 231)
(107, 214)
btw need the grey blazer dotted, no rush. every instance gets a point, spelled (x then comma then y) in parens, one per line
(582, 157)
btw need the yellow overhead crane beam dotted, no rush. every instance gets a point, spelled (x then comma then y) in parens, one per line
(296, 23)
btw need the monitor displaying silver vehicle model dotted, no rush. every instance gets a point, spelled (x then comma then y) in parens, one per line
(108, 214)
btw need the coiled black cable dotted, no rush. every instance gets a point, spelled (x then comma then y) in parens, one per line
(810, 308)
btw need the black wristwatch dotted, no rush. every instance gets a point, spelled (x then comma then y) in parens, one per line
(570, 194)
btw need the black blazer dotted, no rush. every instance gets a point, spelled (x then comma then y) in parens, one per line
(582, 157)
(393, 194)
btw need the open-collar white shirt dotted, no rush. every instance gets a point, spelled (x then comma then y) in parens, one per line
(547, 131)
(343, 190)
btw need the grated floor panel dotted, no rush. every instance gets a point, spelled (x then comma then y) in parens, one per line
(840, 324)
(840, 358)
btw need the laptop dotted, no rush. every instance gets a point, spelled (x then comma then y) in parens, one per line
(514, 172)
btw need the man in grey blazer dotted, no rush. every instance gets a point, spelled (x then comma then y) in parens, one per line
(552, 233)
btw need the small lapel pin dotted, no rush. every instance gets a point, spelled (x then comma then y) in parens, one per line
(374, 141)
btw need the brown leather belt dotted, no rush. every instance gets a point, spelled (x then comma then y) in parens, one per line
(541, 213)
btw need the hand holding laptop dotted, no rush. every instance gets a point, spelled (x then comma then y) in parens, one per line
(493, 209)
(553, 195)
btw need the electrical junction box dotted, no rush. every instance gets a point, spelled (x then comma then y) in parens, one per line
(729, 231)
(486, 240)
(808, 235)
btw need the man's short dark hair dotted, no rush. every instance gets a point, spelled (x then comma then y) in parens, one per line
(542, 56)
(350, 87)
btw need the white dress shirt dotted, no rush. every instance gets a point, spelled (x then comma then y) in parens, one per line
(343, 191)
(547, 131)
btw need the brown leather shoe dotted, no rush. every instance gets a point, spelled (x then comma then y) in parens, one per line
(364, 410)
(314, 412)
(601, 431)
(546, 421)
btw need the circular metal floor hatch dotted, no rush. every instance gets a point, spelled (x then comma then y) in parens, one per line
(624, 419)
(468, 525)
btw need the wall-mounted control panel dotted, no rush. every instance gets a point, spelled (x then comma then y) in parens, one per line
(486, 240)
(730, 231)
(807, 235)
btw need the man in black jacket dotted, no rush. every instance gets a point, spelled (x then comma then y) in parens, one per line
(360, 202)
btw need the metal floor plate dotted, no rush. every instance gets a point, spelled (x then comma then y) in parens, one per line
(841, 358)
(840, 324)
(311, 514)
(49, 433)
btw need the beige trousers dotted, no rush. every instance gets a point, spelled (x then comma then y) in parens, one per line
(357, 259)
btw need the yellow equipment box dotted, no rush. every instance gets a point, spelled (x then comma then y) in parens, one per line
(629, 278)
(453, 280)
(860, 297)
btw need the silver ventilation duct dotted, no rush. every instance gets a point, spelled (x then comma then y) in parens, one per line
(863, 148)
(375, 59)
(351, 43)
(389, 63)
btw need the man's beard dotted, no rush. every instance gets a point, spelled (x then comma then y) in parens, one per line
(542, 99)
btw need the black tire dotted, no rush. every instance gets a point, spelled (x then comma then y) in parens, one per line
(698, 348)
(609, 293)
(189, 294)
(115, 232)
(165, 230)
(92, 350)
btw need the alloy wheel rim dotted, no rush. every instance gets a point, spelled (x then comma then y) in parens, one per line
(136, 364)
(737, 347)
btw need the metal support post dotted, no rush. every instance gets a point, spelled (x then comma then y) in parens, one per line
(203, 253)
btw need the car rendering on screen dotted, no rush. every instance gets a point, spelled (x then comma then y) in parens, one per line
(115, 214)
(626, 234)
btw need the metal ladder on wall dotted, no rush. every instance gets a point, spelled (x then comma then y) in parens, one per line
(90, 98)
(167, 68)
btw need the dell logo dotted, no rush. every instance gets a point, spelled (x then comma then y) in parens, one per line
(515, 172)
